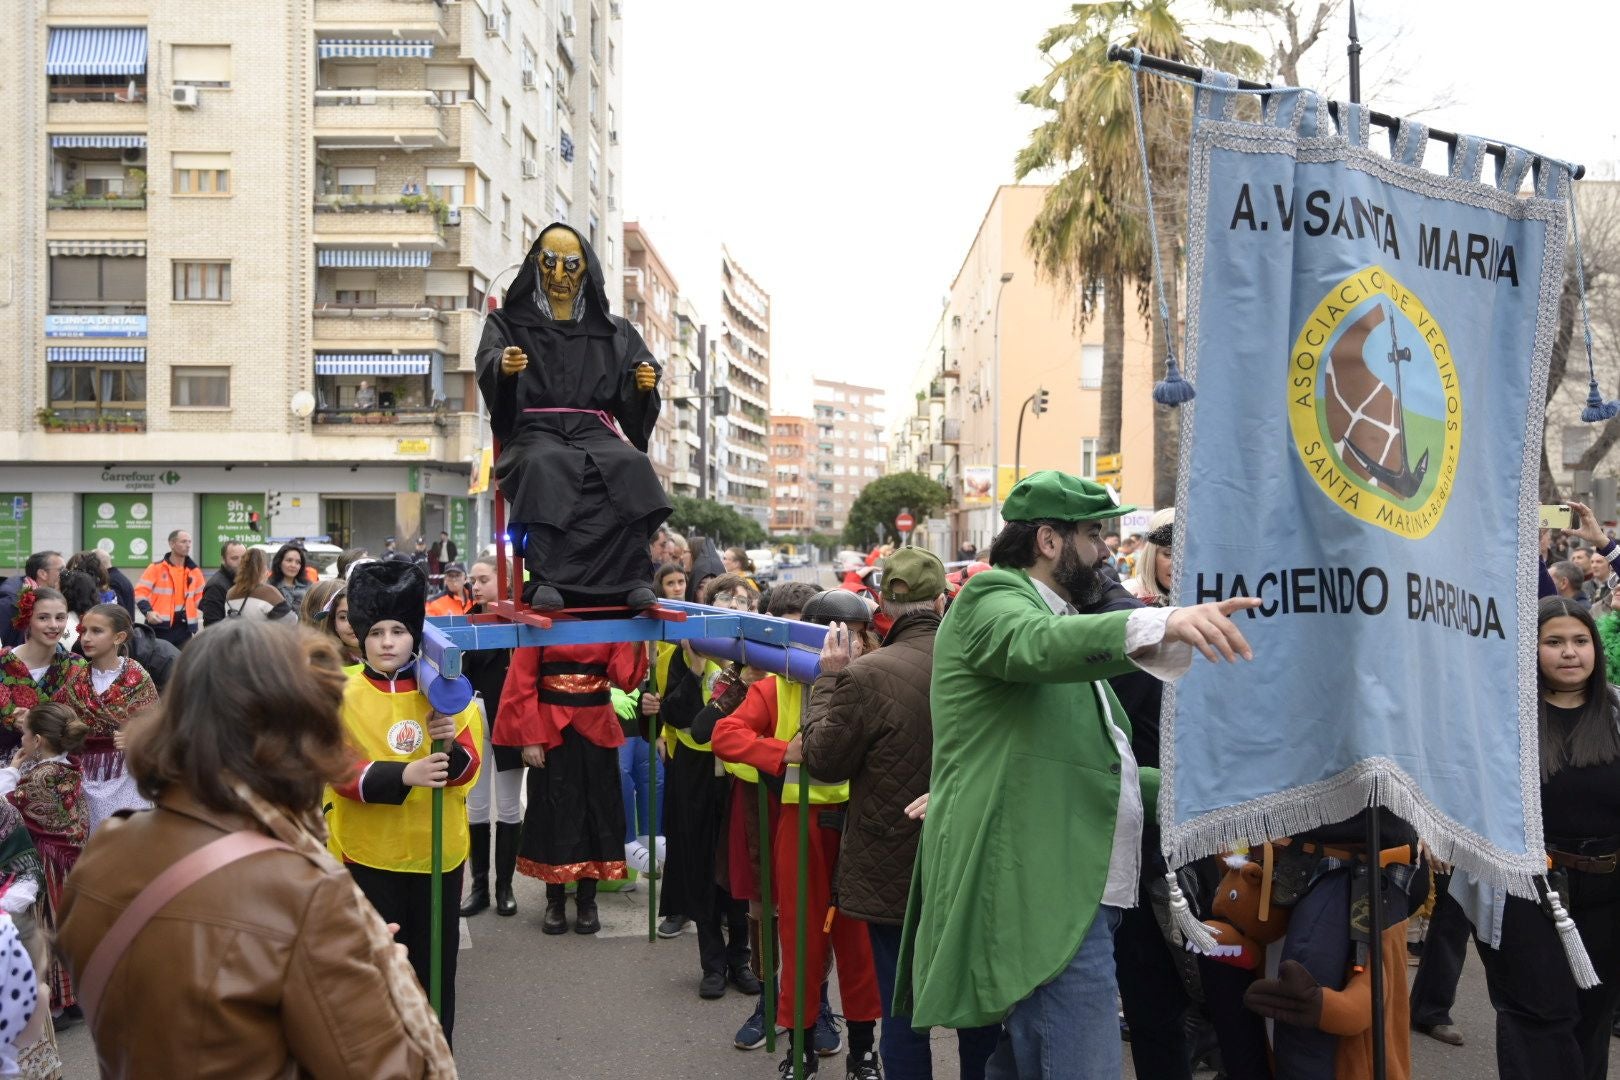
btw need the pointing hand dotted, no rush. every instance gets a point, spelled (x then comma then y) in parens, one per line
(1209, 627)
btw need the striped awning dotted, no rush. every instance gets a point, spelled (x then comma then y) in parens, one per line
(96, 50)
(372, 257)
(373, 363)
(83, 354)
(96, 247)
(334, 47)
(98, 142)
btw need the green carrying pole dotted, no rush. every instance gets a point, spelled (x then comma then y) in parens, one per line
(436, 903)
(767, 919)
(801, 923)
(652, 828)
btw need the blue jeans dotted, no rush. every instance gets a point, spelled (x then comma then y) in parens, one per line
(633, 785)
(906, 1053)
(1069, 1028)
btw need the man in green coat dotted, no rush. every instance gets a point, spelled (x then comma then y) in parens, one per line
(1032, 840)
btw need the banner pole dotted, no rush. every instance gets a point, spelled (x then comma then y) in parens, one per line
(436, 901)
(652, 828)
(801, 927)
(767, 917)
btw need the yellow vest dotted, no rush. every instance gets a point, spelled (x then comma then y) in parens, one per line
(791, 699)
(398, 837)
(670, 653)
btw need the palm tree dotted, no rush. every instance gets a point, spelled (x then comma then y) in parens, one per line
(1092, 232)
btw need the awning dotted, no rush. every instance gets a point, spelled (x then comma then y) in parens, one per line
(372, 257)
(96, 247)
(373, 363)
(98, 50)
(333, 47)
(77, 354)
(98, 142)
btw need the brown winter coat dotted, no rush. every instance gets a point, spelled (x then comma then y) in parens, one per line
(261, 969)
(870, 724)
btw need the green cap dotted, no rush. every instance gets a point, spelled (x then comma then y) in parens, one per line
(912, 574)
(1057, 496)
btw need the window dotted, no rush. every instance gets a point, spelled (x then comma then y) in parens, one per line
(98, 386)
(527, 59)
(102, 178)
(612, 253)
(351, 288)
(200, 387)
(202, 65)
(1091, 367)
(480, 89)
(506, 120)
(101, 284)
(549, 105)
(449, 84)
(613, 124)
(448, 184)
(531, 147)
(446, 289)
(592, 229)
(596, 95)
(506, 24)
(480, 191)
(201, 174)
(506, 216)
(612, 56)
(202, 281)
(560, 207)
(612, 188)
(357, 179)
(1088, 458)
(477, 288)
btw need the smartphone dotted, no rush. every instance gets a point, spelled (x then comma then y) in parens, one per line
(1558, 516)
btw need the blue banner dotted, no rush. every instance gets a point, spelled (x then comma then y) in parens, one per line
(1369, 341)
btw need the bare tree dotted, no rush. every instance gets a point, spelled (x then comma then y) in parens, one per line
(1598, 204)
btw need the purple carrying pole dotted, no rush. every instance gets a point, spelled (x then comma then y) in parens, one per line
(798, 664)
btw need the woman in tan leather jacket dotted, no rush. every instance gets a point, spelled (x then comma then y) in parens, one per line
(274, 965)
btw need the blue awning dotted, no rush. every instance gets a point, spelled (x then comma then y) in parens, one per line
(85, 354)
(96, 50)
(372, 257)
(373, 363)
(333, 47)
(98, 142)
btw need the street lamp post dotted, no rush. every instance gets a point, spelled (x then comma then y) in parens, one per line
(995, 410)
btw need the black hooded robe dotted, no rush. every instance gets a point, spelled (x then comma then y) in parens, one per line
(588, 497)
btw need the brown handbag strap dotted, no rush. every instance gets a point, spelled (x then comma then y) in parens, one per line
(149, 901)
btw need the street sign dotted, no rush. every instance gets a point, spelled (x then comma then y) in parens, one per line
(1108, 463)
(904, 522)
(1111, 479)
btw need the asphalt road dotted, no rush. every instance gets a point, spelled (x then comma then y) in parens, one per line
(613, 1005)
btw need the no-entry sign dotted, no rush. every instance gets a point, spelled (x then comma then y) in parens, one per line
(904, 522)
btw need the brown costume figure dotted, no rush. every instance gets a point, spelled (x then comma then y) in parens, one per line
(572, 395)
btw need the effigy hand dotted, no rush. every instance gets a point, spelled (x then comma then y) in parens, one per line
(513, 360)
(646, 377)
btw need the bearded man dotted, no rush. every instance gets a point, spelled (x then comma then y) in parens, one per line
(1037, 802)
(572, 393)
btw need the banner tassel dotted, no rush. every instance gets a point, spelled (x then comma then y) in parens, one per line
(1193, 933)
(1580, 964)
(1597, 410)
(1172, 390)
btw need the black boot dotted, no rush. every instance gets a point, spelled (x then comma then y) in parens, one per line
(556, 920)
(478, 869)
(543, 597)
(640, 598)
(506, 851)
(585, 920)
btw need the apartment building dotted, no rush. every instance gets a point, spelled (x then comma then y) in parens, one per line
(743, 366)
(849, 448)
(687, 382)
(250, 245)
(1001, 314)
(650, 294)
(793, 486)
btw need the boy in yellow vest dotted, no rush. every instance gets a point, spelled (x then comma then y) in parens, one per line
(381, 821)
(764, 733)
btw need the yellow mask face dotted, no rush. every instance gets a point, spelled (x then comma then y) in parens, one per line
(562, 271)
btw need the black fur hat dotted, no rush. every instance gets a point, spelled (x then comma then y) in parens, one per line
(378, 591)
(836, 605)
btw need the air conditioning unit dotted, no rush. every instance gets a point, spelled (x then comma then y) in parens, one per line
(613, 203)
(613, 138)
(615, 10)
(452, 215)
(528, 77)
(567, 25)
(492, 24)
(531, 168)
(184, 97)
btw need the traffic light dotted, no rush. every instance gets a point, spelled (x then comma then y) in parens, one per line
(253, 522)
(1041, 401)
(722, 401)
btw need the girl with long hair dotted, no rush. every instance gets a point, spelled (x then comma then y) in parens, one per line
(117, 691)
(40, 669)
(1545, 1025)
(495, 803)
(93, 562)
(313, 611)
(289, 573)
(1151, 582)
(335, 625)
(252, 597)
(45, 785)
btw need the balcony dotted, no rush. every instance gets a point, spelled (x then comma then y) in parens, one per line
(91, 419)
(355, 327)
(379, 120)
(381, 19)
(359, 219)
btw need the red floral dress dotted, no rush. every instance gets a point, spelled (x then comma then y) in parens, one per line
(50, 795)
(65, 676)
(108, 787)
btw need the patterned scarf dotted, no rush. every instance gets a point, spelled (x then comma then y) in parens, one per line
(18, 690)
(18, 859)
(421, 1025)
(132, 692)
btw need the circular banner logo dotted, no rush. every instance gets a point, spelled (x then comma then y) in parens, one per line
(404, 737)
(1374, 405)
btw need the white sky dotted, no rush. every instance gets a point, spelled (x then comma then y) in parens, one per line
(845, 153)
